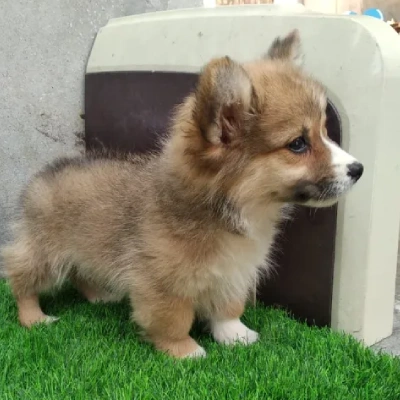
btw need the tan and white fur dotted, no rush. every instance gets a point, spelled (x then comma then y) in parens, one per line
(185, 232)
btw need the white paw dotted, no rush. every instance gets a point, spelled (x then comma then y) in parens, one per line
(50, 319)
(232, 331)
(199, 352)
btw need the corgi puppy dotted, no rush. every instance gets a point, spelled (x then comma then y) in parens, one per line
(185, 232)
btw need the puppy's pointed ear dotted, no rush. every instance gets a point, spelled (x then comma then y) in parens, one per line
(224, 98)
(287, 48)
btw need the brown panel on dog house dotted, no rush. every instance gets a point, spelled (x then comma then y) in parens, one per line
(130, 111)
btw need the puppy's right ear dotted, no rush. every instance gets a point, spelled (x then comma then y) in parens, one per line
(224, 98)
(287, 48)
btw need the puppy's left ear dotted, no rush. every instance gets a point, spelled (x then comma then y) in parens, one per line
(287, 49)
(224, 101)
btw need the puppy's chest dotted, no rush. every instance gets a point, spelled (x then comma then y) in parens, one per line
(240, 254)
(235, 262)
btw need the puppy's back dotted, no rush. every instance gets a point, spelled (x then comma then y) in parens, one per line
(79, 211)
(77, 187)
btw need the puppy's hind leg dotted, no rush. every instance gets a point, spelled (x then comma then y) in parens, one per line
(28, 274)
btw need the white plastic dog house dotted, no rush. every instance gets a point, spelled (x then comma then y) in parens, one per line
(338, 266)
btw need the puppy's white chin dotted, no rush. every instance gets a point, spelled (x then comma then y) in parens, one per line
(321, 204)
(338, 191)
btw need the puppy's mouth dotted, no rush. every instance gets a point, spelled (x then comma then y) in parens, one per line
(321, 194)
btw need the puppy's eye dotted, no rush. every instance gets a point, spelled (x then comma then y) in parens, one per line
(298, 145)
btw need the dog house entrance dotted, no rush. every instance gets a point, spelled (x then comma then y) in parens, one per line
(129, 111)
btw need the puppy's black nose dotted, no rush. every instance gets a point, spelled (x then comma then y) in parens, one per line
(355, 170)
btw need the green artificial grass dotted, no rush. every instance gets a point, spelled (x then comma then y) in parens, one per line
(94, 352)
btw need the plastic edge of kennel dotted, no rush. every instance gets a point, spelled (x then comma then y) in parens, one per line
(101, 60)
(367, 236)
(368, 313)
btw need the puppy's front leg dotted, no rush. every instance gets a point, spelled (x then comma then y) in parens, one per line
(227, 328)
(166, 321)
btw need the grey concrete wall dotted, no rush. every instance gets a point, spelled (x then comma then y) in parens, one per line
(44, 46)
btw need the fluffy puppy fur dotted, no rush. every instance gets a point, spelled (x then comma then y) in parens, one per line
(185, 232)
